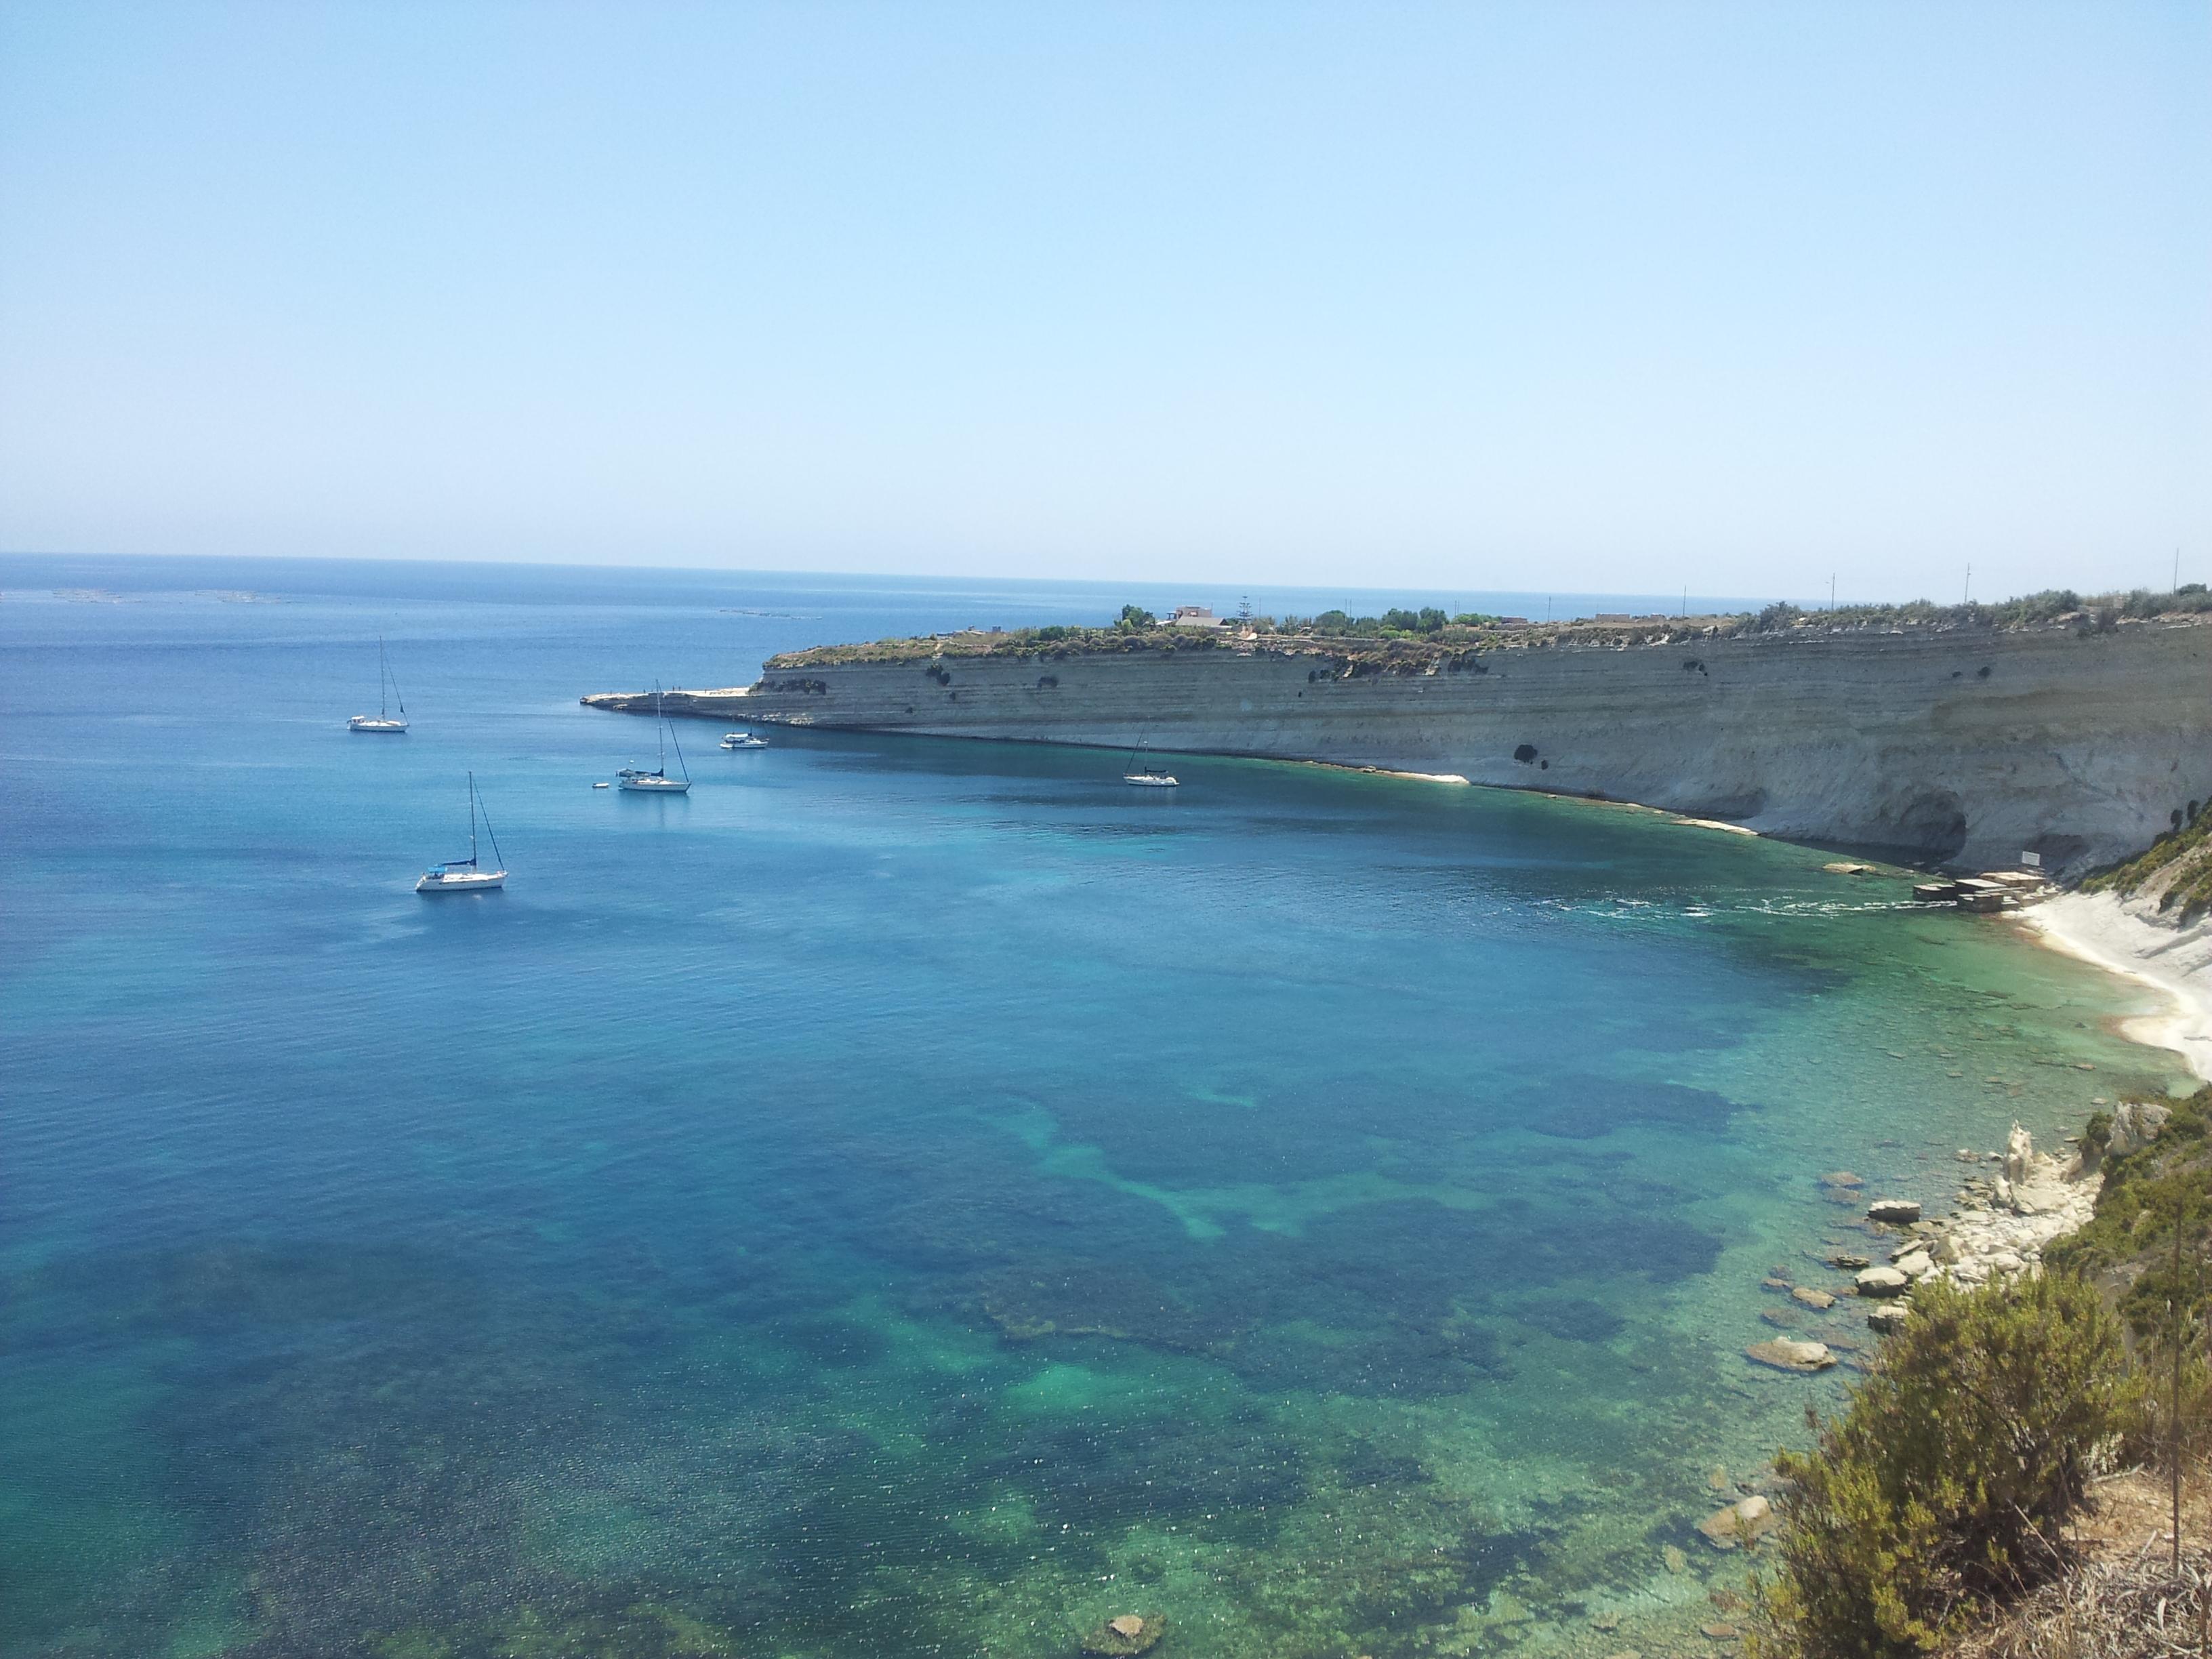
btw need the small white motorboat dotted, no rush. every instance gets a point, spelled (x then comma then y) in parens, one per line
(743, 740)
(657, 781)
(383, 719)
(467, 875)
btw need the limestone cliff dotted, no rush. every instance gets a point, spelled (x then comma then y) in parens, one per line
(1966, 746)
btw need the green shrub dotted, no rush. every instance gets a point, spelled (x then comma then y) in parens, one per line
(1947, 1483)
(2147, 1194)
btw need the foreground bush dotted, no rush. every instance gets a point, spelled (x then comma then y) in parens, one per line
(1948, 1483)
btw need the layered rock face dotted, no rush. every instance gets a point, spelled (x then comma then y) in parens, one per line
(1968, 747)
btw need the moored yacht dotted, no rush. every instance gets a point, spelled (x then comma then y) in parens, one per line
(657, 781)
(743, 740)
(467, 875)
(383, 719)
(1147, 776)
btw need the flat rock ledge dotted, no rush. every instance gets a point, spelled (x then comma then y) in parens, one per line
(1882, 1282)
(1785, 1355)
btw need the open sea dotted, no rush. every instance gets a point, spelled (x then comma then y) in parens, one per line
(908, 1196)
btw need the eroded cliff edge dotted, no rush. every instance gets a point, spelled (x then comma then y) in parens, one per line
(1967, 745)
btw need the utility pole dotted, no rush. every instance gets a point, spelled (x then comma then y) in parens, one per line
(1832, 592)
(1967, 597)
(2176, 588)
(2180, 1316)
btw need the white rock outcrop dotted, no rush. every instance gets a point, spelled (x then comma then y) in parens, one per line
(2003, 1236)
(1966, 745)
(2136, 1124)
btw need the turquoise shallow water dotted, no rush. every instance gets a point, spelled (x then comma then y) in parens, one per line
(907, 1196)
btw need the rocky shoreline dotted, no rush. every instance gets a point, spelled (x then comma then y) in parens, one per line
(2012, 1207)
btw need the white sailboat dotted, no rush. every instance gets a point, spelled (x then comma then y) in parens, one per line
(657, 781)
(382, 720)
(467, 875)
(1147, 776)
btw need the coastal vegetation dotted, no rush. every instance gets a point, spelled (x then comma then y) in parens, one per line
(1949, 1482)
(1417, 639)
(2099, 612)
(2151, 1190)
(2174, 873)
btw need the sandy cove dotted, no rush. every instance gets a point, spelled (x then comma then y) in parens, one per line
(2123, 939)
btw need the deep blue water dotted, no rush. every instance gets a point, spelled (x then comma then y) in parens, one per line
(907, 1195)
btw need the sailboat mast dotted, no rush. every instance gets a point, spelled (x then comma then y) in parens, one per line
(660, 727)
(498, 858)
(472, 817)
(387, 685)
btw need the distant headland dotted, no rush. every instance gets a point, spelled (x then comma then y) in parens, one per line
(2075, 729)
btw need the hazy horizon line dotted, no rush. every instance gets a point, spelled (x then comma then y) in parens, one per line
(1819, 602)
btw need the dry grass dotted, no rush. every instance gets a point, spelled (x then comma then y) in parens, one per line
(2123, 1598)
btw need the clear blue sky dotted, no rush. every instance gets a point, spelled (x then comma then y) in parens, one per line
(1533, 297)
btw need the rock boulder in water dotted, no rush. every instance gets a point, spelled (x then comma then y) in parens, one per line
(1127, 1633)
(1898, 1212)
(1786, 1355)
(1882, 1281)
(1740, 1524)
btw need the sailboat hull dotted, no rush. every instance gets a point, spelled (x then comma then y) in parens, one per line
(463, 881)
(382, 728)
(657, 786)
